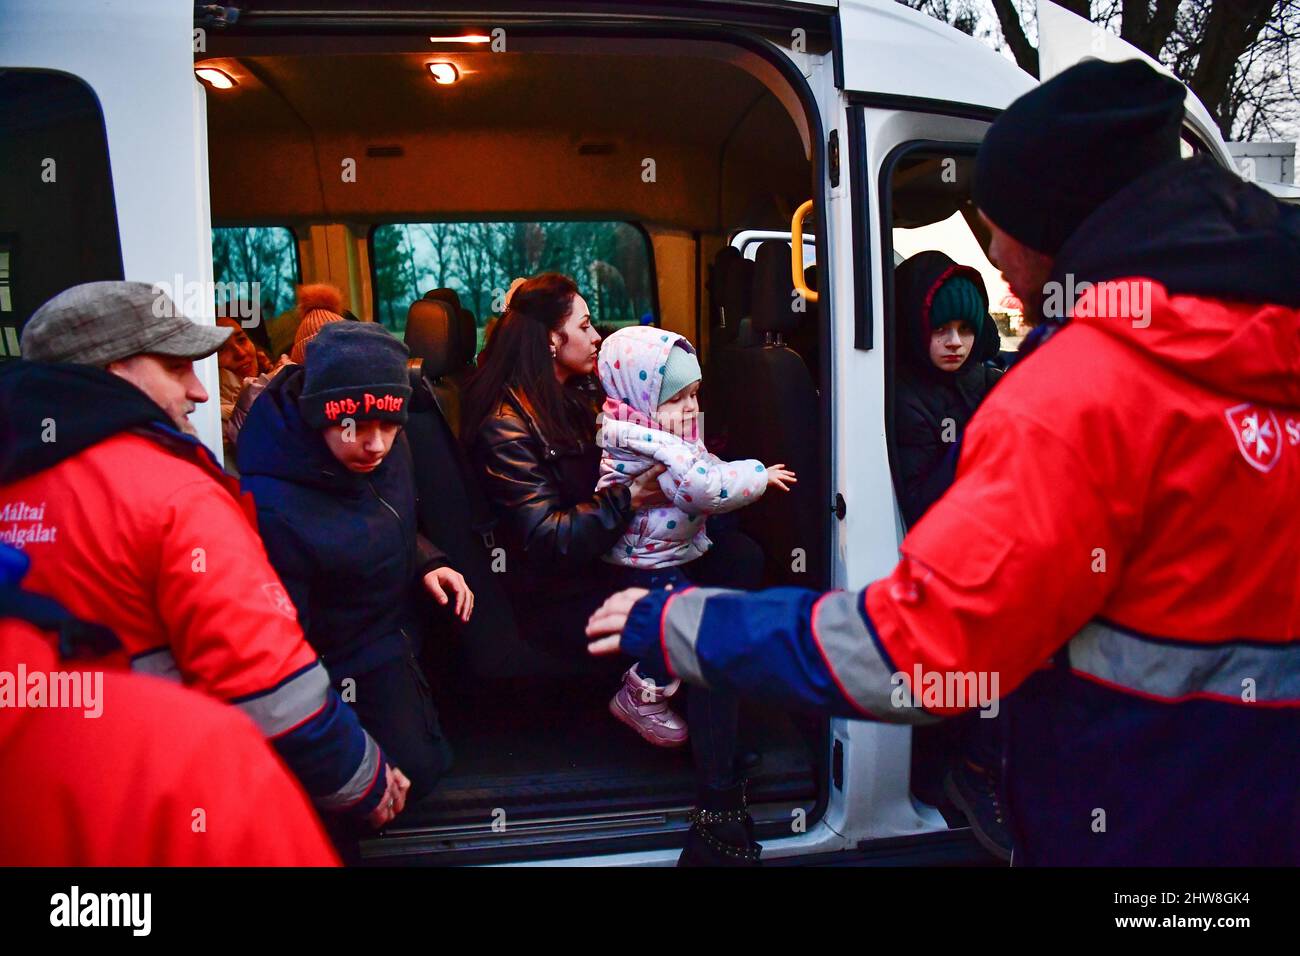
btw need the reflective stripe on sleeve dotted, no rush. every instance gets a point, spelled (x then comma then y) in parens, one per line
(680, 630)
(856, 663)
(360, 782)
(158, 662)
(1234, 672)
(290, 703)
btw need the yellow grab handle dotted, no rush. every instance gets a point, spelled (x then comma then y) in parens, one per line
(796, 251)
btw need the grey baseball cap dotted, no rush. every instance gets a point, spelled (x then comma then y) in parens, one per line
(100, 322)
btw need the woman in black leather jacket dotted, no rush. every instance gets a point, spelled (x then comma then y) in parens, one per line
(531, 435)
(528, 420)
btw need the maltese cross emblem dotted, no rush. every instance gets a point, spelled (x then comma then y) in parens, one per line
(275, 593)
(1258, 434)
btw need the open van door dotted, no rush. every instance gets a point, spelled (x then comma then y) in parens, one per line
(915, 98)
(114, 122)
(1065, 38)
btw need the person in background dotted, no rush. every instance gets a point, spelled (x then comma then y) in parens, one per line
(319, 304)
(946, 335)
(943, 328)
(105, 783)
(238, 362)
(130, 523)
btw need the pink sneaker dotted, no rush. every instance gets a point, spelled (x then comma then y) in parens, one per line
(643, 706)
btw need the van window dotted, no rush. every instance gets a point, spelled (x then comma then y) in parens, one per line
(254, 265)
(58, 221)
(610, 261)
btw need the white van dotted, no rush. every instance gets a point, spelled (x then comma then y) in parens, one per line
(391, 152)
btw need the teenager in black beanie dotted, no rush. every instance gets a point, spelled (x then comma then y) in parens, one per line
(1060, 152)
(325, 459)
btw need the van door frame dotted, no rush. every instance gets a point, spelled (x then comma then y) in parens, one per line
(141, 69)
(818, 837)
(876, 757)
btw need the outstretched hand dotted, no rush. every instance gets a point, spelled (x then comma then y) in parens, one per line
(605, 627)
(780, 476)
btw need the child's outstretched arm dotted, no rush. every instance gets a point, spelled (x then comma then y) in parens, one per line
(698, 482)
(708, 485)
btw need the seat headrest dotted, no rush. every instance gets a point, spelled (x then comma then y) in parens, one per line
(774, 289)
(722, 261)
(466, 336)
(732, 294)
(450, 296)
(433, 335)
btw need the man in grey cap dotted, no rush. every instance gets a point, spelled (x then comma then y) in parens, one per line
(131, 330)
(131, 524)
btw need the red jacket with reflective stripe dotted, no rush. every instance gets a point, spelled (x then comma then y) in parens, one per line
(124, 789)
(131, 525)
(1121, 549)
(164, 552)
(1145, 474)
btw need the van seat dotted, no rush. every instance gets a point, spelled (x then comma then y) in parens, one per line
(772, 415)
(433, 336)
(730, 296)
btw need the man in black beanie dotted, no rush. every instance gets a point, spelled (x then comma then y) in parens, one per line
(323, 455)
(1120, 545)
(1059, 152)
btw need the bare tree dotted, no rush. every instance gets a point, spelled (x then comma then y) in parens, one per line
(439, 235)
(1238, 56)
(965, 15)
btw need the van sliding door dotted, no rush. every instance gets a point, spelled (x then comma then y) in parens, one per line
(135, 58)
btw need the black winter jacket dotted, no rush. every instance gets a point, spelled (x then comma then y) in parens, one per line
(932, 407)
(344, 544)
(553, 523)
(452, 510)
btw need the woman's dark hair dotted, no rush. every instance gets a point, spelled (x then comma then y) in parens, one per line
(519, 355)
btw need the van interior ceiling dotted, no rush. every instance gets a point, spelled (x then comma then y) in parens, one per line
(692, 140)
(683, 138)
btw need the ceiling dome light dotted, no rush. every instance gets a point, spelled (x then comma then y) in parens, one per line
(444, 73)
(215, 78)
(468, 38)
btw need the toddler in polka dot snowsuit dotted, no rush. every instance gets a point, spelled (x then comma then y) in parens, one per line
(650, 418)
